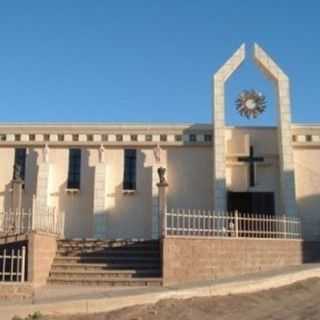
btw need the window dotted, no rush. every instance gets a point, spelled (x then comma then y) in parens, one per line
(75, 137)
(119, 137)
(294, 138)
(309, 138)
(19, 167)
(192, 138)
(17, 137)
(74, 169)
(89, 137)
(149, 137)
(207, 137)
(178, 137)
(134, 137)
(3, 137)
(32, 137)
(46, 137)
(60, 137)
(129, 176)
(163, 137)
(104, 137)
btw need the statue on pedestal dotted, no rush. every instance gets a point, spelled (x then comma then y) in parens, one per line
(157, 153)
(162, 178)
(101, 154)
(46, 153)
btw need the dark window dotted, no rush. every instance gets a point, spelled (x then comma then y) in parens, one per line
(207, 137)
(60, 137)
(75, 137)
(308, 138)
(46, 137)
(119, 137)
(17, 137)
(134, 137)
(163, 137)
(3, 137)
(90, 137)
(74, 169)
(129, 177)
(294, 138)
(19, 167)
(193, 138)
(32, 137)
(178, 137)
(148, 137)
(104, 137)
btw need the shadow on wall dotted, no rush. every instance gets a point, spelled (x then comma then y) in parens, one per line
(310, 217)
(77, 206)
(30, 178)
(30, 187)
(190, 174)
(129, 215)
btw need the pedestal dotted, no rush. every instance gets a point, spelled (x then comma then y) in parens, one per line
(162, 198)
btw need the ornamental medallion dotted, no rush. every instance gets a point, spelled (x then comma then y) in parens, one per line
(250, 103)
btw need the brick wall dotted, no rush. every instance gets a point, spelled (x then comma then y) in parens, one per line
(194, 259)
(42, 248)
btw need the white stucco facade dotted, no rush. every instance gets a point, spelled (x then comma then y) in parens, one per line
(202, 164)
(189, 174)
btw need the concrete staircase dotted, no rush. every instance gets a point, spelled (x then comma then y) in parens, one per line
(107, 263)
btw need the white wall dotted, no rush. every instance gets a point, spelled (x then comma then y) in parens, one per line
(190, 178)
(307, 173)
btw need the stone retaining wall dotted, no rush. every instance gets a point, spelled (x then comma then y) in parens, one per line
(12, 291)
(196, 259)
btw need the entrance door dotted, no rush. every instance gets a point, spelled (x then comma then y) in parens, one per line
(252, 202)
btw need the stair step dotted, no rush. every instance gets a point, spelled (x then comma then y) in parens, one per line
(107, 282)
(107, 244)
(107, 262)
(108, 259)
(101, 266)
(93, 253)
(86, 275)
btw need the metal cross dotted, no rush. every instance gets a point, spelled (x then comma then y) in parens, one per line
(251, 160)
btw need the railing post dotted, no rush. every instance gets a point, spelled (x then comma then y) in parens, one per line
(4, 264)
(236, 223)
(284, 227)
(33, 214)
(162, 201)
(23, 263)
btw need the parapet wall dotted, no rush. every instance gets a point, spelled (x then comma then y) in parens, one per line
(198, 259)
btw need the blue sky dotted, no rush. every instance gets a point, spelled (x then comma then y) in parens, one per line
(111, 61)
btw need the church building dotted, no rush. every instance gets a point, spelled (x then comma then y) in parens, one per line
(101, 179)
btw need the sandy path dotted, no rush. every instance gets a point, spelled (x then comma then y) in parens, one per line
(295, 302)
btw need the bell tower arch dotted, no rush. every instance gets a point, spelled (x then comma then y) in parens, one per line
(286, 165)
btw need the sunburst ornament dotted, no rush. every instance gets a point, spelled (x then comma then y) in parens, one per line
(251, 103)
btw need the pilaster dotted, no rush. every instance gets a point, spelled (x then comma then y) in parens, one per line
(43, 186)
(99, 201)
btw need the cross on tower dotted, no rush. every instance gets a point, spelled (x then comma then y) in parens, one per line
(251, 160)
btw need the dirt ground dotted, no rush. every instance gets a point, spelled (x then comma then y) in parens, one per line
(298, 301)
